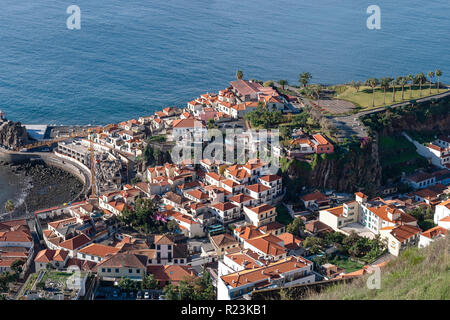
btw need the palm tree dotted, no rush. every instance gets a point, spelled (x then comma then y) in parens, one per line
(317, 89)
(373, 83)
(358, 85)
(384, 83)
(410, 79)
(304, 78)
(355, 85)
(439, 75)
(431, 75)
(239, 75)
(9, 207)
(393, 83)
(283, 83)
(402, 81)
(420, 79)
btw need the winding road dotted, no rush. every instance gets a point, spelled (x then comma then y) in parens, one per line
(350, 125)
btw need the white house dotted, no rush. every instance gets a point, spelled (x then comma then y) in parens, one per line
(442, 210)
(283, 273)
(431, 235)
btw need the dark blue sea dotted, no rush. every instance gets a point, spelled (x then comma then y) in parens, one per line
(131, 57)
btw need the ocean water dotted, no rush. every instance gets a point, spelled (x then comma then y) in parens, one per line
(133, 57)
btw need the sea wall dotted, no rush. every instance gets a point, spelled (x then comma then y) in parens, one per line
(79, 171)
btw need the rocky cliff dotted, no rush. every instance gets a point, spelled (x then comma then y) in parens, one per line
(354, 167)
(351, 169)
(429, 117)
(13, 135)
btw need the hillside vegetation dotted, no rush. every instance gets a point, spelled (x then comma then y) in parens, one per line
(417, 274)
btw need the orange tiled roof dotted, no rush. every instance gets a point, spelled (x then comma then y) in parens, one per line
(99, 250)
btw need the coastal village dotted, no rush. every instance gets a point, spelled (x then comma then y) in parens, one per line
(161, 230)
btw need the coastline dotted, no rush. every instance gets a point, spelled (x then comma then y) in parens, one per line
(41, 186)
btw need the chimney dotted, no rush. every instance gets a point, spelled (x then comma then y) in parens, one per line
(262, 271)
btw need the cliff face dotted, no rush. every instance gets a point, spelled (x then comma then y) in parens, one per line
(421, 121)
(13, 134)
(430, 117)
(361, 168)
(345, 172)
(349, 173)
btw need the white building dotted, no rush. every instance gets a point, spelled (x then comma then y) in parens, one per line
(283, 273)
(431, 235)
(442, 210)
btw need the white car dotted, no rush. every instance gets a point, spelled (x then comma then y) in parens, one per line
(146, 295)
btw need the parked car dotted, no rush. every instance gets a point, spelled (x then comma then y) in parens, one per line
(115, 294)
(161, 297)
(139, 295)
(146, 295)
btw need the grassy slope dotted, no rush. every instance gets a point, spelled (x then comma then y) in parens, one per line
(398, 155)
(363, 98)
(420, 274)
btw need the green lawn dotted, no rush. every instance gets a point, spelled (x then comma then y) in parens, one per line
(345, 263)
(363, 98)
(158, 138)
(30, 281)
(396, 149)
(422, 137)
(398, 155)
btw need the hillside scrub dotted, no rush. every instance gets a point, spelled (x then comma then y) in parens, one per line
(417, 274)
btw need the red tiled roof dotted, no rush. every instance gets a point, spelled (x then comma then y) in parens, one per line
(257, 188)
(99, 250)
(240, 198)
(271, 271)
(434, 232)
(404, 232)
(75, 242)
(270, 178)
(172, 273)
(315, 196)
(261, 208)
(224, 206)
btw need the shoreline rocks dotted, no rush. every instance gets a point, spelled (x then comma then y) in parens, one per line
(44, 187)
(13, 135)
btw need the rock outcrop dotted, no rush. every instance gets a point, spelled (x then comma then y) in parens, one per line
(13, 135)
(347, 172)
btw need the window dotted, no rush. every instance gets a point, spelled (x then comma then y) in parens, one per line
(130, 270)
(109, 269)
(117, 270)
(138, 270)
(103, 269)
